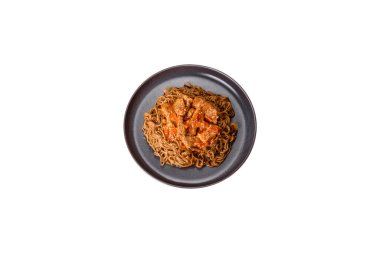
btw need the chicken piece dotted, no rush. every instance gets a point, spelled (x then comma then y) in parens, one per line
(210, 111)
(190, 113)
(187, 141)
(181, 127)
(169, 114)
(179, 107)
(170, 132)
(198, 102)
(171, 121)
(165, 110)
(208, 133)
(188, 100)
(194, 122)
(211, 114)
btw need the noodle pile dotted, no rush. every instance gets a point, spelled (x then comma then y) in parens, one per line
(173, 149)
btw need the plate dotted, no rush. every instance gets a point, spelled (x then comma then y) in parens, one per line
(209, 79)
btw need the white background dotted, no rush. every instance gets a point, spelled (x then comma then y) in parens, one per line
(69, 184)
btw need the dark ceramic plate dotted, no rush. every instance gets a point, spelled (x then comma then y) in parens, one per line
(209, 79)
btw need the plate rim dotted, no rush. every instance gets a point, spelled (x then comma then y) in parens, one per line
(165, 180)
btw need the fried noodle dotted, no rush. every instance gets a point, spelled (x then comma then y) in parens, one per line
(190, 126)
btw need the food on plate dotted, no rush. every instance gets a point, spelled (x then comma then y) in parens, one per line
(189, 126)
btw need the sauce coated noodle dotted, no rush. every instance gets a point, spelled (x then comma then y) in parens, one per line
(190, 126)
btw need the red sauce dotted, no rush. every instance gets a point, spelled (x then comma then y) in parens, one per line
(193, 125)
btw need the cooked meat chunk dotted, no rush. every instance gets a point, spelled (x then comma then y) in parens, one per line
(190, 113)
(210, 111)
(208, 133)
(180, 107)
(188, 100)
(171, 120)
